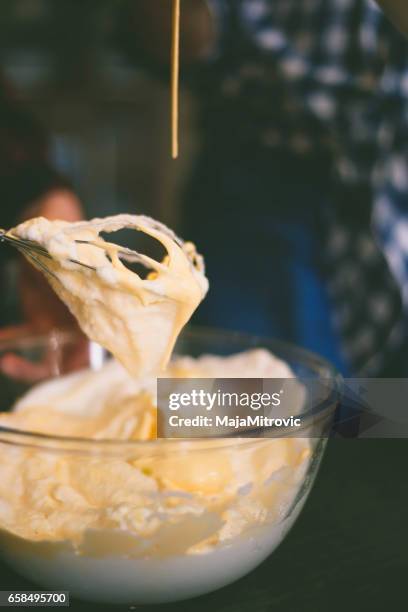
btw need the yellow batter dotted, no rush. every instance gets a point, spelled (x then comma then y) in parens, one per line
(167, 496)
(137, 320)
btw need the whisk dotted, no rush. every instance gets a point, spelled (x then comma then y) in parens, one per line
(37, 253)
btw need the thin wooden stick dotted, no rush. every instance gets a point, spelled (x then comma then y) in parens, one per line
(175, 78)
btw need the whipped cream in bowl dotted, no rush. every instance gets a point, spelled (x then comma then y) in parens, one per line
(91, 501)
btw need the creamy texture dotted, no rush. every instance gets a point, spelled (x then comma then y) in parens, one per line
(186, 497)
(137, 319)
(119, 580)
(155, 517)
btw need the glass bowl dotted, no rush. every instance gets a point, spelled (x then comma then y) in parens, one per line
(150, 521)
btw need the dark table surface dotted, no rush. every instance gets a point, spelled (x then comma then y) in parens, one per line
(347, 552)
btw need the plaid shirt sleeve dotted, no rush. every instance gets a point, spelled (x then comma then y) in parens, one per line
(347, 68)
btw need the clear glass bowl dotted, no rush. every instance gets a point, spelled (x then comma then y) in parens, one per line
(153, 521)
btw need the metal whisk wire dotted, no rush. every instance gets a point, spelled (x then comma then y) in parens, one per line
(34, 251)
(31, 250)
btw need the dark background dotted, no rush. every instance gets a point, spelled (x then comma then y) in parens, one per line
(348, 550)
(108, 121)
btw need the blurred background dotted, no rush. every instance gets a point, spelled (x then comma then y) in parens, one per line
(108, 120)
(292, 156)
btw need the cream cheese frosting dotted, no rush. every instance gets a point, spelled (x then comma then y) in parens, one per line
(217, 489)
(153, 499)
(137, 319)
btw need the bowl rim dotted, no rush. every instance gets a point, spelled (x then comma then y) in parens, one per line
(47, 442)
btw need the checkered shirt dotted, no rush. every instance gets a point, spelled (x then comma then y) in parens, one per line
(332, 75)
